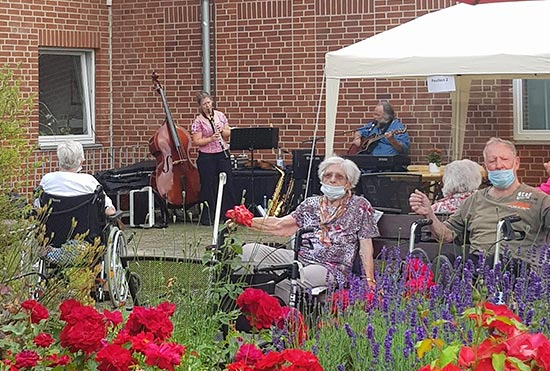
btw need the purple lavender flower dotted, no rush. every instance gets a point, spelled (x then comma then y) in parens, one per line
(409, 346)
(351, 334)
(388, 342)
(370, 332)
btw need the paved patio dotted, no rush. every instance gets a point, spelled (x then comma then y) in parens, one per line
(182, 240)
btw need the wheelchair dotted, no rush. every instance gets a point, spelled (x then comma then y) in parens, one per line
(80, 221)
(266, 277)
(442, 260)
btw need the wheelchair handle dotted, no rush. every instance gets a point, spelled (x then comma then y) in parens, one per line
(511, 218)
(505, 232)
(299, 235)
(415, 227)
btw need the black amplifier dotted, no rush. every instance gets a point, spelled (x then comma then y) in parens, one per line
(300, 164)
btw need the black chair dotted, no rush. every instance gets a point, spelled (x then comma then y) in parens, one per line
(389, 192)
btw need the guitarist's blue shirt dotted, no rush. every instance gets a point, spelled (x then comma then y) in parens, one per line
(383, 147)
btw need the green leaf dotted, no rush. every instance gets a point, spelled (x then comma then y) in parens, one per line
(423, 347)
(497, 360)
(449, 354)
(16, 329)
(520, 365)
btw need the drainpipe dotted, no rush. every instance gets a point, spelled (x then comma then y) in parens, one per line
(111, 142)
(205, 26)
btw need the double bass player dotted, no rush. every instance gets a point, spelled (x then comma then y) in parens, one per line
(210, 132)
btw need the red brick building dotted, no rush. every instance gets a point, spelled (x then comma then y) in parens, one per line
(267, 61)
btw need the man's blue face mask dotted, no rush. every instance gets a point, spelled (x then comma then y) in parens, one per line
(501, 179)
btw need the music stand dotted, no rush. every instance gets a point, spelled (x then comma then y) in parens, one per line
(252, 139)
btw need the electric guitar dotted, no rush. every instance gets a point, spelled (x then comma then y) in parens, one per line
(368, 141)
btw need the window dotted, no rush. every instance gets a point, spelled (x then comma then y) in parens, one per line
(532, 110)
(67, 97)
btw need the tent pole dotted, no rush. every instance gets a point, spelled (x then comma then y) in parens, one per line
(460, 99)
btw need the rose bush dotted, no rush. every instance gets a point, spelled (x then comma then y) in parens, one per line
(83, 338)
(500, 343)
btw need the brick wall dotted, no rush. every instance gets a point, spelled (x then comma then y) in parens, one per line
(267, 69)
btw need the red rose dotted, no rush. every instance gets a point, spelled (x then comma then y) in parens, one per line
(339, 301)
(114, 358)
(524, 346)
(240, 366)
(43, 340)
(419, 277)
(543, 355)
(248, 354)
(141, 340)
(259, 308)
(240, 215)
(301, 360)
(466, 356)
(85, 327)
(115, 318)
(164, 356)
(451, 367)
(271, 361)
(496, 316)
(56, 360)
(153, 320)
(26, 359)
(36, 310)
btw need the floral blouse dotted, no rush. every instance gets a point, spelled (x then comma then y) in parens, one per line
(355, 224)
(449, 204)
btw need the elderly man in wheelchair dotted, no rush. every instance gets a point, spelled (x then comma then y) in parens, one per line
(80, 226)
(342, 225)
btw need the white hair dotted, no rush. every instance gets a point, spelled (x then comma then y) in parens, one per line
(70, 155)
(461, 176)
(350, 168)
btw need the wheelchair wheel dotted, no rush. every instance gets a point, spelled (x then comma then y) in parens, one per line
(115, 271)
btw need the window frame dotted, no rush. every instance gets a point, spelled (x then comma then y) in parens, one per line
(87, 63)
(520, 134)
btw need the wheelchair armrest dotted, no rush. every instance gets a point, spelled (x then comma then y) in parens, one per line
(273, 268)
(117, 215)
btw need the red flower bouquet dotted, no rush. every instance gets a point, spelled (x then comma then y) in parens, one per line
(240, 215)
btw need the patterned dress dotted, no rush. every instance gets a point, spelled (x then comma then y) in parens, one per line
(449, 204)
(342, 234)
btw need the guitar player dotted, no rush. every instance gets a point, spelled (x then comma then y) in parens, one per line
(385, 136)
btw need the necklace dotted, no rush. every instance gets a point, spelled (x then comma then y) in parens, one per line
(329, 213)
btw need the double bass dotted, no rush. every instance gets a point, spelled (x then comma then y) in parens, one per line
(176, 178)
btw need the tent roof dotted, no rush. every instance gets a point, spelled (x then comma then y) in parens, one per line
(505, 38)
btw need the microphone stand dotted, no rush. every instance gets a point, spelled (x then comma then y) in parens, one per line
(310, 165)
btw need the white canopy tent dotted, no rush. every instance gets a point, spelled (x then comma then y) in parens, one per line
(496, 40)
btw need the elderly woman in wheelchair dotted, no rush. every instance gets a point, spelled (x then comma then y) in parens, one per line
(342, 226)
(77, 215)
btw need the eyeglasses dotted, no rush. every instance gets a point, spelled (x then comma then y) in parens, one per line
(337, 176)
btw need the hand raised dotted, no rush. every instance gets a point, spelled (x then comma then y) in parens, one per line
(420, 204)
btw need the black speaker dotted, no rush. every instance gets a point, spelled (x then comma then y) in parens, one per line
(300, 164)
(298, 193)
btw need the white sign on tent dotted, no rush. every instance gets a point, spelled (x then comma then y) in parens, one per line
(441, 84)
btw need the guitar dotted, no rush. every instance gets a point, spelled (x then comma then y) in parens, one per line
(368, 141)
